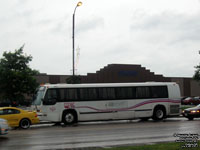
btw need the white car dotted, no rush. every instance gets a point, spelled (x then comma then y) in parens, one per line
(3, 127)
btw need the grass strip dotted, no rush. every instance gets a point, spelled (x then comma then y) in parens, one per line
(160, 146)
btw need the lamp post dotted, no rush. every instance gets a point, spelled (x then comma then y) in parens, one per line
(73, 43)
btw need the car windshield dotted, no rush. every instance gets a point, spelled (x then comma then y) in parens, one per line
(37, 99)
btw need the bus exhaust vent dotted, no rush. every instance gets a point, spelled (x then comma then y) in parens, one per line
(174, 109)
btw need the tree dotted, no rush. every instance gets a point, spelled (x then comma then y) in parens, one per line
(197, 72)
(16, 77)
(73, 80)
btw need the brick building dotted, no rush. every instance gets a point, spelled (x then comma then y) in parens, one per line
(119, 73)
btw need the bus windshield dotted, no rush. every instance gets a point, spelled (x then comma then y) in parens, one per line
(37, 100)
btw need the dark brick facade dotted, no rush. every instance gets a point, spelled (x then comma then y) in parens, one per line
(123, 73)
(120, 73)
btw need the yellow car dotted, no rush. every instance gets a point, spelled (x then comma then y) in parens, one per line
(18, 117)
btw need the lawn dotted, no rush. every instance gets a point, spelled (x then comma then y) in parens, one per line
(160, 146)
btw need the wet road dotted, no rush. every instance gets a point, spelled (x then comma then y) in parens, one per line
(102, 134)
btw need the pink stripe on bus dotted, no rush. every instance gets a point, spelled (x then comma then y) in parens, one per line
(129, 108)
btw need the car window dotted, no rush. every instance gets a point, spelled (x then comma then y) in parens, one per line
(10, 111)
(1, 112)
(14, 111)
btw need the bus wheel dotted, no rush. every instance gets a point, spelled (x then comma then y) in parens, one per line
(69, 118)
(25, 123)
(159, 113)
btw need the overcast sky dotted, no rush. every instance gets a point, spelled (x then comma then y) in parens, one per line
(161, 35)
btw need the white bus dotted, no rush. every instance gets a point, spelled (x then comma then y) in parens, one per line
(70, 103)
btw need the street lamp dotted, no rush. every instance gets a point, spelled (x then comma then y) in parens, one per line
(73, 27)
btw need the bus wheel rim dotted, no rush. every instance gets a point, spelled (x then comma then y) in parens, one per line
(69, 118)
(159, 114)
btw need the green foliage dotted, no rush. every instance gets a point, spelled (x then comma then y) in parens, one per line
(73, 80)
(16, 77)
(159, 146)
(197, 73)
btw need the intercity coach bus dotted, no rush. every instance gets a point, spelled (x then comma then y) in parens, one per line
(71, 103)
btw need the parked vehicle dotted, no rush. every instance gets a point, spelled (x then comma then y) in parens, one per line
(71, 103)
(18, 117)
(182, 100)
(192, 113)
(197, 99)
(3, 127)
(187, 101)
(191, 101)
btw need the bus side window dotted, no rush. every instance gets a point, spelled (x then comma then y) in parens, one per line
(111, 93)
(159, 92)
(63, 95)
(142, 92)
(72, 94)
(51, 97)
(83, 94)
(125, 93)
(106, 93)
(92, 92)
(52, 94)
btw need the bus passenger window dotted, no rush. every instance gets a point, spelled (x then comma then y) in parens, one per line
(72, 94)
(125, 93)
(51, 94)
(84, 94)
(111, 93)
(51, 97)
(63, 95)
(106, 93)
(142, 92)
(103, 94)
(92, 93)
(159, 92)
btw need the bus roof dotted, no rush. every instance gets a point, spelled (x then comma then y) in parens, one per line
(108, 84)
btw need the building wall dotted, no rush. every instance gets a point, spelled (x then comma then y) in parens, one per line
(63, 78)
(195, 88)
(52, 79)
(119, 73)
(123, 73)
(42, 78)
(188, 86)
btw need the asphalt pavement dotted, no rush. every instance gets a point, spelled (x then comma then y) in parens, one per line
(90, 135)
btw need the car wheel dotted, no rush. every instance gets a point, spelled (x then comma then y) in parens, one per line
(69, 118)
(25, 123)
(158, 114)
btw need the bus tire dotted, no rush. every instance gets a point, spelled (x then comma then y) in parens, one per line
(159, 113)
(69, 117)
(25, 123)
